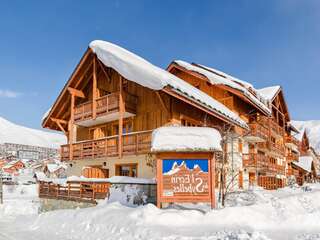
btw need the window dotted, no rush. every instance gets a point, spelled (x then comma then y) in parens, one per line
(129, 170)
(188, 122)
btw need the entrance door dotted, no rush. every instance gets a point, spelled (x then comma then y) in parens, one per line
(240, 179)
(252, 178)
(95, 172)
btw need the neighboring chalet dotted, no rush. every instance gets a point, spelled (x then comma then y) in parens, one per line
(258, 156)
(111, 104)
(13, 167)
(305, 167)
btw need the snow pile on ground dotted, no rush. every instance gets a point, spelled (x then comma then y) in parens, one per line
(312, 129)
(13, 133)
(137, 69)
(185, 139)
(19, 200)
(289, 213)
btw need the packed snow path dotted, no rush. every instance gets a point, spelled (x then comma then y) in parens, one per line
(290, 213)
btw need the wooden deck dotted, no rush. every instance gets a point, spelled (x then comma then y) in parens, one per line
(105, 105)
(132, 144)
(75, 191)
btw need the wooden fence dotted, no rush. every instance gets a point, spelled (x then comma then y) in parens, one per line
(75, 191)
(270, 183)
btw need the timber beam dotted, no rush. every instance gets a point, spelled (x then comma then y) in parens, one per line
(76, 92)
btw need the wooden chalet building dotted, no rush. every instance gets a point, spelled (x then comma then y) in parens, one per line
(114, 100)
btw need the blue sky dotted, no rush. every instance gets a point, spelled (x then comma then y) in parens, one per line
(263, 42)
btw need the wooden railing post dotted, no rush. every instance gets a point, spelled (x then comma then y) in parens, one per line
(121, 111)
(94, 89)
(68, 190)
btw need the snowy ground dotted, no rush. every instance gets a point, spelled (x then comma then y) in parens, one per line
(284, 214)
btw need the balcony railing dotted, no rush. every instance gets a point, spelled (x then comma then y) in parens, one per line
(268, 124)
(292, 157)
(132, 144)
(292, 140)
(259, 130)
(105, 105)
(276, 148)
(293, 172)
(75, 191)
(263, 163)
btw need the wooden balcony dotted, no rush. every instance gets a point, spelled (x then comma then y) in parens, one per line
(132, 144)
(262, 163)
(292, 142)
(292, 172)
(258, 133)
(292, 157)
(75, 191)
(265, 127)
(255, 160)
(107, 109)
(276, 149)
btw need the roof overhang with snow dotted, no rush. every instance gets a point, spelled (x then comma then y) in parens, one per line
(305, 163)
(240, 88)
(185, 139)
(271, 93)
(140, 71)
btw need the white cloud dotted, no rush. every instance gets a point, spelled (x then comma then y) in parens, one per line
(9, 94)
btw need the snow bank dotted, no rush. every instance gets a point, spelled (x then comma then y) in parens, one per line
(288, 213)
(137, 69)
(13, 133)
(19, 200)
(191, 139)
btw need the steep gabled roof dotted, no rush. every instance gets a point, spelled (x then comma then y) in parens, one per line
(140, 71)
(269, 93)
(216, 77)
(305, 162)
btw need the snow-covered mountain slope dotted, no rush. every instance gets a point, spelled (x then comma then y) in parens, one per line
(312, 128)
(13, 133)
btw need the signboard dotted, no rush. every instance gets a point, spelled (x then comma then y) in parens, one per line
(185, 177)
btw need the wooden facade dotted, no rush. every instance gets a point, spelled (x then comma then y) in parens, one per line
(265, 158)
(106, 116)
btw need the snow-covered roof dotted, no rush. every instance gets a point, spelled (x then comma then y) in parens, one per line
(13, 133)
(52, 167)
(137, 69)
(312, 129)
(217, 77)
(269, 92)
(114, 179)
(189, 139)
(305, 162)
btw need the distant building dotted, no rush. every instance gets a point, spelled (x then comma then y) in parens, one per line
(19, 151)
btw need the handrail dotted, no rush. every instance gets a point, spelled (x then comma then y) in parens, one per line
(109, 137)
